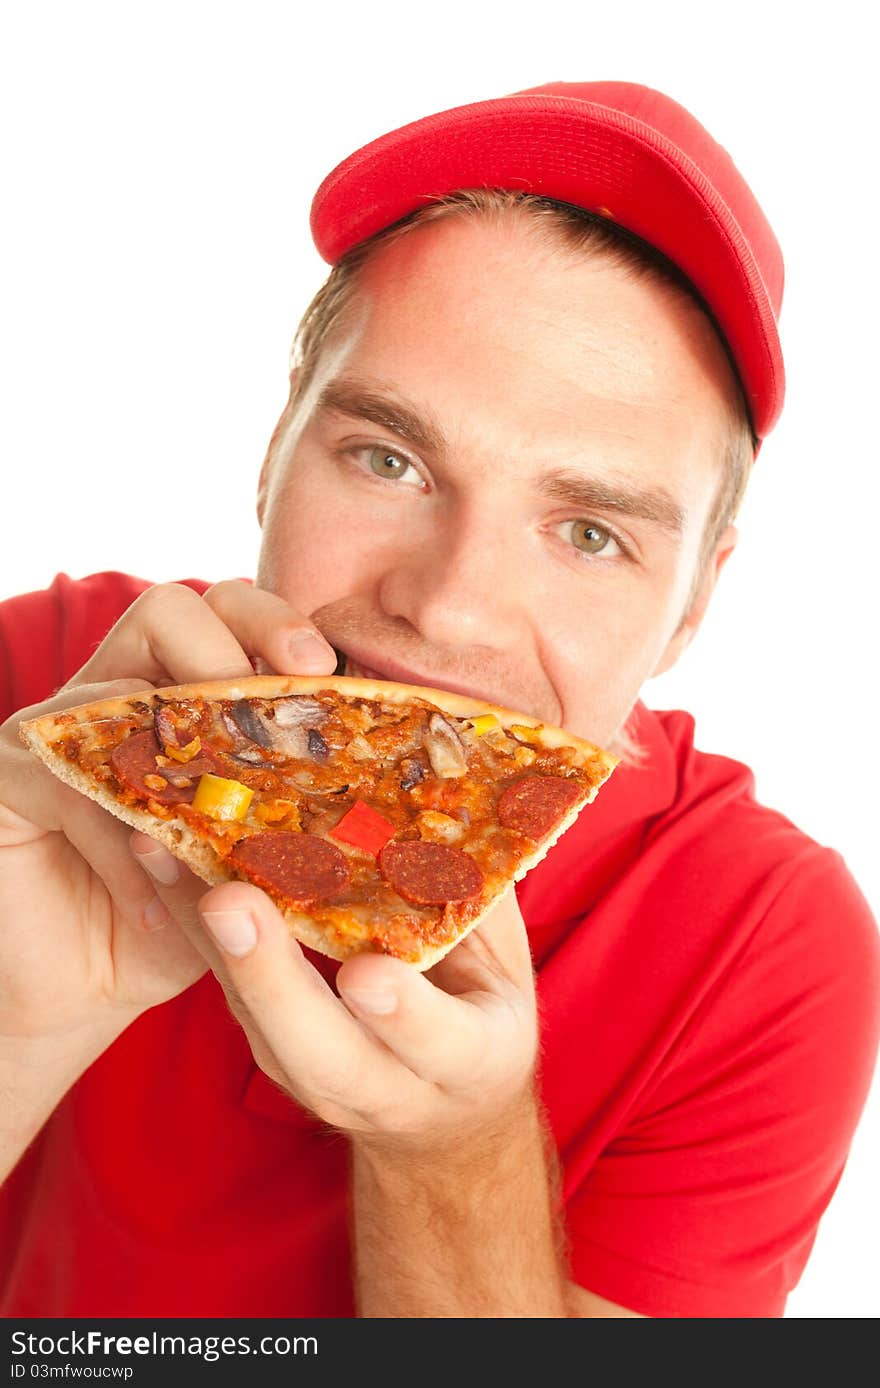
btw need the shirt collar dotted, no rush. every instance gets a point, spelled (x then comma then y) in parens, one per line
(636, 791)
(606, 836)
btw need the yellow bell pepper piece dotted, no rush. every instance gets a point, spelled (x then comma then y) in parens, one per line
(484, 724)
(222, 799)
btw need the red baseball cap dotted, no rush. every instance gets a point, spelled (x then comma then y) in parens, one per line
(624, 151)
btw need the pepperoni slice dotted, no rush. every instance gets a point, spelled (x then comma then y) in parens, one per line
(305, 869)
(430, 874)
(135, 758)
(536, 804)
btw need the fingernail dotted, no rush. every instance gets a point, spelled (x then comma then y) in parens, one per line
(161, 866)
(311, 653)
(234, 931)
(156, 915)
(380, 1001)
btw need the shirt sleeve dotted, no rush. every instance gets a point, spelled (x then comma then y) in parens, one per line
(45, 636)
(708, 1202)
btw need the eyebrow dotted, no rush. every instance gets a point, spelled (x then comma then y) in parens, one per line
(647, 503)
(348, 396)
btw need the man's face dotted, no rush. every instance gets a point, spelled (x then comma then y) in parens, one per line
(498, 479)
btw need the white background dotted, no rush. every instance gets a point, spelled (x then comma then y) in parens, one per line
(158, 167)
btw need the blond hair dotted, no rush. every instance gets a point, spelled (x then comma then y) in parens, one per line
(582, 232)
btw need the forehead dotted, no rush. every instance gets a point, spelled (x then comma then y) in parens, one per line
(529, 350)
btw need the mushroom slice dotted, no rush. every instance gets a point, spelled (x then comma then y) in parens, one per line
(414, 771)
(249, 734)
(444, 749)
(245, 718)
(298, 711)
(293, 727)
(318, 748)
(275, 730)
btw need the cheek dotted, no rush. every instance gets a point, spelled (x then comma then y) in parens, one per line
(600, 659)
(317, 544)
(302, 549)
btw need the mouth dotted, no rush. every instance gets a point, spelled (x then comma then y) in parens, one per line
(357, 668)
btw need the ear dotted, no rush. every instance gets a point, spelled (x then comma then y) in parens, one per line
(274, 445)
(689, 624)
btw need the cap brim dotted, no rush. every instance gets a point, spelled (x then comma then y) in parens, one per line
(577, 152)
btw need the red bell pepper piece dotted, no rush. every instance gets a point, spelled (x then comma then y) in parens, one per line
(364, 827)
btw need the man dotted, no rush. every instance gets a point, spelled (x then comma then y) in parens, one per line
(514, 448)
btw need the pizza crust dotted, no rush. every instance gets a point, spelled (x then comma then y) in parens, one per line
(277, 686)
(200, 857)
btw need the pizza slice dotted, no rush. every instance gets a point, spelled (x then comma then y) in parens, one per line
(377, 816)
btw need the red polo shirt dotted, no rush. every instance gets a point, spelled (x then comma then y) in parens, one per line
(710, 990)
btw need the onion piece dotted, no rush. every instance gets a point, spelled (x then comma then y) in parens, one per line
(359, 748)
(439, 828)
(174, 724)
(249, 756)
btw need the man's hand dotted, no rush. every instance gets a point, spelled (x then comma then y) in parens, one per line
(455, 1211)
(430, 1074)
(413, 1060)
(86, 945)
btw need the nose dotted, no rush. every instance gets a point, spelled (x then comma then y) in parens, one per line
(463, 585)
